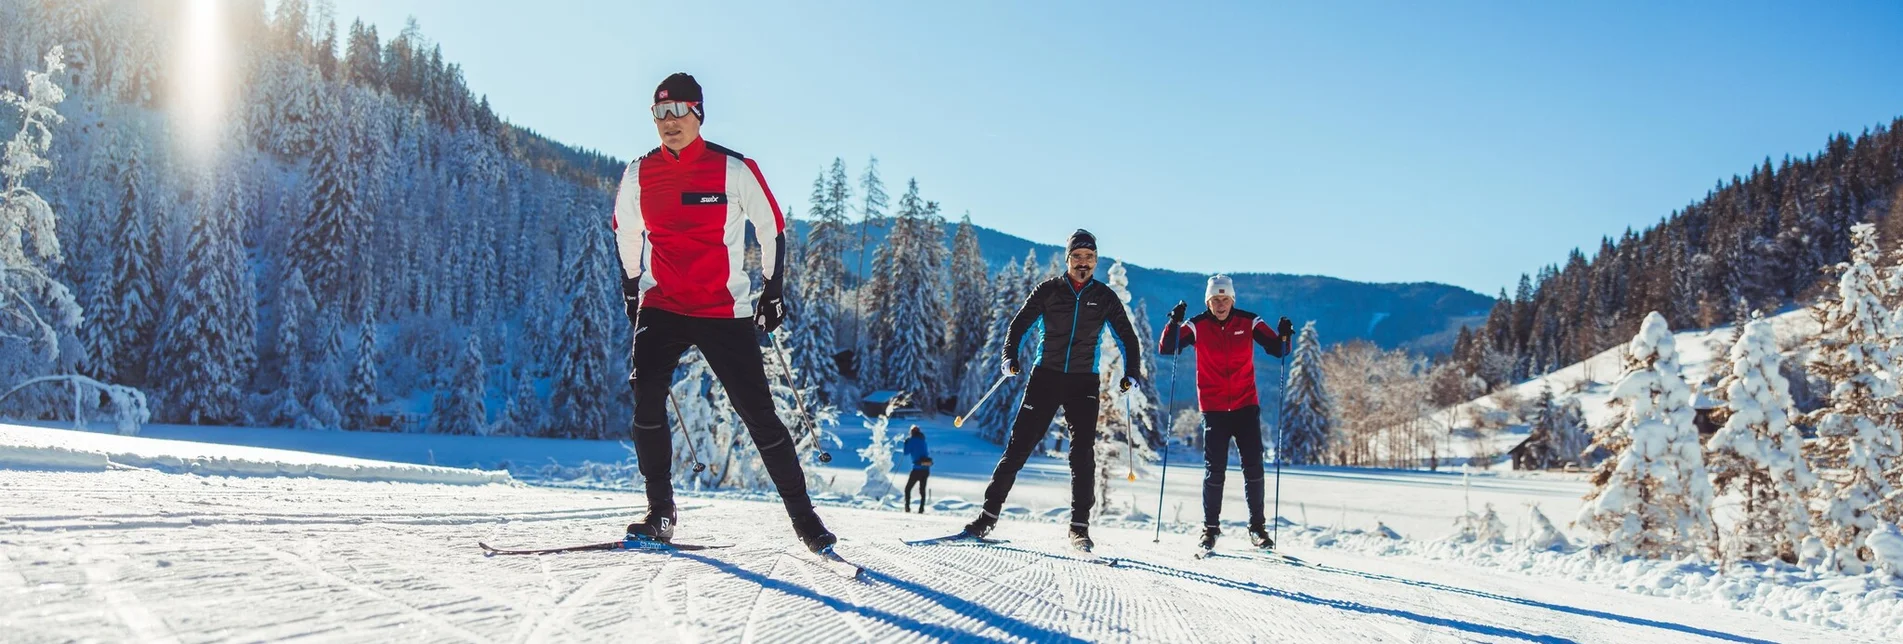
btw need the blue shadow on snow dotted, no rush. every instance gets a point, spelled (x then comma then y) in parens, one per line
(983, 615)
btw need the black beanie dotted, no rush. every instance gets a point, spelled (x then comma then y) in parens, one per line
(681, 87)
(1081, 239)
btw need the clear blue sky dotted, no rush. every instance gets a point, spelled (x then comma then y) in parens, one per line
(1453, 142)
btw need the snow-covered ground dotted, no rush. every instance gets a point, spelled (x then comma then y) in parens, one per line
(137, 555)
(142, 550)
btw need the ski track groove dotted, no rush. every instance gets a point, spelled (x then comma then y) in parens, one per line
(656, 587)
(993, 572)
(133, 614)
(408, 610)
(1028, 584)
(749, 633)
(1287, 622)
(557, 615)
(1054, 574)
(816, 574)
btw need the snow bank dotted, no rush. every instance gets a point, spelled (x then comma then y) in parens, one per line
(41, 448)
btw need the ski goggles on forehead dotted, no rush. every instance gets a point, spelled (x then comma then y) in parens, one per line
(674, 109)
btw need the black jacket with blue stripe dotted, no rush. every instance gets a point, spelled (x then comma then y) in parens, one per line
(1073, 320)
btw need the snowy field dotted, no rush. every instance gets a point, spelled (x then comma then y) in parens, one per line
(146, 556)
(137, 550)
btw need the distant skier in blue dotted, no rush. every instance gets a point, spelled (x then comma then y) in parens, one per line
(921, 467)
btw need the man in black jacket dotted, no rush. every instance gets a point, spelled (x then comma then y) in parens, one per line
(1072, 309)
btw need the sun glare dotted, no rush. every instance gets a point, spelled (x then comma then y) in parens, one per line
(201, 86)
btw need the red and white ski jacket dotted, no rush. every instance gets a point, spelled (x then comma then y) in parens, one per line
(1225, 355)
(680, 227)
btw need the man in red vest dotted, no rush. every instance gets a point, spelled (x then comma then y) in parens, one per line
(1225, 338)
(680, 224)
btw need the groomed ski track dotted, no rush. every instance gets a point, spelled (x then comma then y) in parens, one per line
(138, 555)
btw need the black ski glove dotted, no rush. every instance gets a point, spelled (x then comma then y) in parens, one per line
(1284, 328)
(1176, 314)
(1010, 364)
(1126, 384)
(770, 310)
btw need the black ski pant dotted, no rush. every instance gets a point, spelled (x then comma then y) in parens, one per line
(732, 350)
(1050, 389)
(918, 478)
(1245, 426)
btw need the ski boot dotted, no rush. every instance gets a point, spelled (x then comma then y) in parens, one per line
(1208, 541)
(1259, 537)
(1080, 537)
(982, 525)
(654, 527)
(813, 534)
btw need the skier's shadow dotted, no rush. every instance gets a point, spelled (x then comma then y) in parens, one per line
(1010, 626)
(1427, 619)
(1583, 612)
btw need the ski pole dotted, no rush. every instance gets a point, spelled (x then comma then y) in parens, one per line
(960, 421)
(1130, 439)
(1281, 412)
(787, 373)
(1161, 485)
(692, 445)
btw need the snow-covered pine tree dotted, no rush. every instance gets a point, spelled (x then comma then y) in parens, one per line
(1721, 366)
(810, 336)
(1758, 453)
(584, 378)
(1857, 447)
(970, 302)
(1542, 442)
(1122, 418)
(1305, 416)
(877, 298)
(294, 310)
(878, 457)
(42, 313)
(199, 366)
(330, 236)
(823, 266)
(869, 291)
(461, 410)
(1007, 295)
(912, 322)
(327, 391)
(522, 415)
(363, 377)
(124, 310)
(1570, 433)
(1149, 423)
(1653, 497)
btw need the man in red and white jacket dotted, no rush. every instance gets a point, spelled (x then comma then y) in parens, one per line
(680, 223)
(1225, 338)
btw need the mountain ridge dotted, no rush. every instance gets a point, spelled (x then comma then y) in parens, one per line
(1422, 316)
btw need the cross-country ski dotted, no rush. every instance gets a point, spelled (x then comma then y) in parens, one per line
(624, 544)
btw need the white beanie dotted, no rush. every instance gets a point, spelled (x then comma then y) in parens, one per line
(1219, 285)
